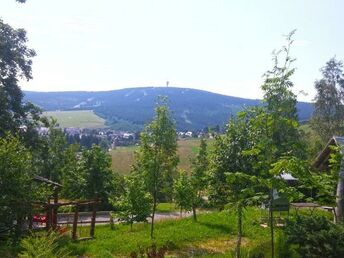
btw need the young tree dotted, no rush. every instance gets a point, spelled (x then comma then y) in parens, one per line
(73, 176)
(328, 116)
(281, 103)
(99, 177)
(232, 169)
(157, 157)
(275, 129)
(241, 193)
(184, 193)
(135, 204)
(199, 178)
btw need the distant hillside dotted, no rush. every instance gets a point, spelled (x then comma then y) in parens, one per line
(133, 107)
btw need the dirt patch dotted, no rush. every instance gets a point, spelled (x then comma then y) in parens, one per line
(209, 247)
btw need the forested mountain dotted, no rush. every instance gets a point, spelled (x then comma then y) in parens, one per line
(133, 107)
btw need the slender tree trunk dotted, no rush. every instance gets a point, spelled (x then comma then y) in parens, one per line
(181, 212)
(194, 212)
(238, 246)
(271, 218)
(153, 215)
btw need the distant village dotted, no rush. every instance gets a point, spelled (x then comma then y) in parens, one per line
(110, 139)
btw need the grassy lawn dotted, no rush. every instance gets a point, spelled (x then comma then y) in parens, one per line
(213, 234)
(123, 157)
(166, 207)
(80, 118)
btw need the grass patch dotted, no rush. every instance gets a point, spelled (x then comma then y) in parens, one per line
(166, 207)
(80, 118)
(214, 233)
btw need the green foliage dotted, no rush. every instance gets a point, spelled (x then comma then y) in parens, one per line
(325, 184)
(157, 157)
(51, 159)
(44, 246)
(134, 205)
(16, 188)
(73, 175)
(99, 177)
(229, 155)
(316, 236)
(184, 193)
(199, 176)
(328, 116)
(200, 167)
(15, 64)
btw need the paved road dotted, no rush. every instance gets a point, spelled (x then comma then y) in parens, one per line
(103, 217)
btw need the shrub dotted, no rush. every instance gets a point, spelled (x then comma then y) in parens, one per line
(316, 237)
(45, 246)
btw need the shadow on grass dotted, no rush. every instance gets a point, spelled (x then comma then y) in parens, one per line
(219, 227)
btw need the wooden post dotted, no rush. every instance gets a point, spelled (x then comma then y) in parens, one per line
(93, 221)
(48, 216)
(75, 222)
(54, 210)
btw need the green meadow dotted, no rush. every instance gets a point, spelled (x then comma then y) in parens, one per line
(80, 118)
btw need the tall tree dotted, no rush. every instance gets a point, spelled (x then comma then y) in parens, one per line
(328, 116)
(281, 102)
(157, 156)
(15, 64)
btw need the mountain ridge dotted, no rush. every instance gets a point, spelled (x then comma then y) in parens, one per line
(192, 109)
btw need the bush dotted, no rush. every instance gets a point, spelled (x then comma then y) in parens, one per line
(316, 237)
(47, 246)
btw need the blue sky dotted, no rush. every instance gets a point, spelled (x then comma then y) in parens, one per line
(221, 46)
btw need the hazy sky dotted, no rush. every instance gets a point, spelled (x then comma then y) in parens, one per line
(221, 46)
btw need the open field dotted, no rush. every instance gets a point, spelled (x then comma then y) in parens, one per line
(123, 157)
(80, 118)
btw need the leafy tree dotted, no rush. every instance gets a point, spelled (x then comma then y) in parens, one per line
(232, 172)
(99, 178)
(73, 176)
(52, 154)
(199, 175)
(241, 193)
(15, 184)
(134, 205)
(328, 116)
(184, 193)
(280, 102)
(15, 64)
(228, 156)
(157, 157)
